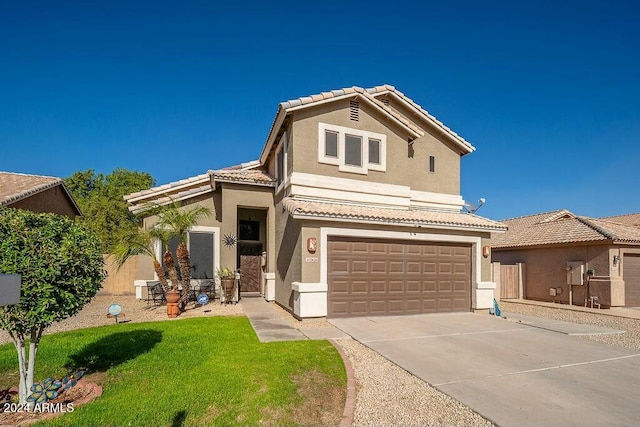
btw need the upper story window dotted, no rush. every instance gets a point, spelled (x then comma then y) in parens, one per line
(352, 150)
(331, 144)
(281, 162)
(432, 163)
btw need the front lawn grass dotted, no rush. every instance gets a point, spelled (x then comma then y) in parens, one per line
(204, 371)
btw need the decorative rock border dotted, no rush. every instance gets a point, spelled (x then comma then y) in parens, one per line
(350, 400)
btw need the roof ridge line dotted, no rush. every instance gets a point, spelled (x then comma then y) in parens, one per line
(536, 214)
(587, 221)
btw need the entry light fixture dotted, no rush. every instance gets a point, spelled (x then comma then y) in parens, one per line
(616, 260)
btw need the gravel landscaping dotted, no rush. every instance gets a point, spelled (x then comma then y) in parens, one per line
(390, 396)
(629, 339)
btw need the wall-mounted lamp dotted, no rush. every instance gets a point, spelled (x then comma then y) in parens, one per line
(312, 245)
(486, 251)
(616, 260)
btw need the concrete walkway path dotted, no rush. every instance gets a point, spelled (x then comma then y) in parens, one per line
(568, 328)
(270, 326)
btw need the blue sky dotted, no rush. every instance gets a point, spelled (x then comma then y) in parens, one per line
(547, 91)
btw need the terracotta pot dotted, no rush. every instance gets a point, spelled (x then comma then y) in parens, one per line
(173, 297)
(228, 283)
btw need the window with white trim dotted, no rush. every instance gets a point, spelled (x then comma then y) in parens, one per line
(201, 243)
(281, 162)
(352, 150)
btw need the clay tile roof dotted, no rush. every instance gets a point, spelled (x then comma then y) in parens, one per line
(256, 176)
(628, 219)
(310, 99)
(17, 186)
(245, 173)
(312, 209)
(560, 227)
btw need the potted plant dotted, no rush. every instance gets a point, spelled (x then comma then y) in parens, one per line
(227, 282)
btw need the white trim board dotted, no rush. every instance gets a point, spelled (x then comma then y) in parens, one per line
(351, 190)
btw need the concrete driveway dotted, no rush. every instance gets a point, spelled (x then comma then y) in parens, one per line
(512, 374)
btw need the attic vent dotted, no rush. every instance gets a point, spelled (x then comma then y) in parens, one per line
(385, 101)
(354, 110)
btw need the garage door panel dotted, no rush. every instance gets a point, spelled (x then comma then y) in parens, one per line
(396, 267)
(359, 308)
(460, 286)
(378, 248)
(360, 266)
(429, 286)
(413, 267)
(414, 287)
(429, 250)
(359, 287)
(460, 268)
(444, 286)
(396, 287)
(429, 306)
(429, 267)
(631, 276)
(378, 277)
(338, 266)
(395, 306)
(339, 287)
(359, 248)
(395, 249)
(445, 268)
(379, 267)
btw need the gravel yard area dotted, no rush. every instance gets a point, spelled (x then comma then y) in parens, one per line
(629, 339)
(390, 396)
(95, 314)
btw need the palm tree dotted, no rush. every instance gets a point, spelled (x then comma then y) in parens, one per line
(178, 222)
(141, 242)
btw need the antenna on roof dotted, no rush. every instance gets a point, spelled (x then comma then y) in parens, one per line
(473, 209)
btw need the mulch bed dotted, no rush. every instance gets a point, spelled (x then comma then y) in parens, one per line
(14, 415)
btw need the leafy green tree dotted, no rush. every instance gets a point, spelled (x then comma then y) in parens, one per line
(61, 265)
(100, 198)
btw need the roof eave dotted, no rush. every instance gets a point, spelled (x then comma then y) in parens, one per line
(414, 224)
(457, 140)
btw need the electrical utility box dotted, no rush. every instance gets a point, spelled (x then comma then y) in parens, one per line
(575, 273)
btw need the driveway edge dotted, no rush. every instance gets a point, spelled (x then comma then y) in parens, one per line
(350, 400)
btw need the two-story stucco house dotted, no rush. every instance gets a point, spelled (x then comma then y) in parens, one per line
(353, 208)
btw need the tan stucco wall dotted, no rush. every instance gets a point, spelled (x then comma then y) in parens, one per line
(224, 204)
(236, 196)
(53, 200)
(546, 268)
(406, 165)
(288, 260)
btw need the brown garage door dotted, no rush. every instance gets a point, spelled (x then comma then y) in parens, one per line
(631, 275)
(386, 277)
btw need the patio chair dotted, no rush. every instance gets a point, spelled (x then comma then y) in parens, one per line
(157, 294)
(207, 287)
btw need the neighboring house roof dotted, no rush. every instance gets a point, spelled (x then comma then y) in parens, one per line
(562, 227)
(18, 186)
(312, 209)
(197, 185)
(628, 219)
(369, 97)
